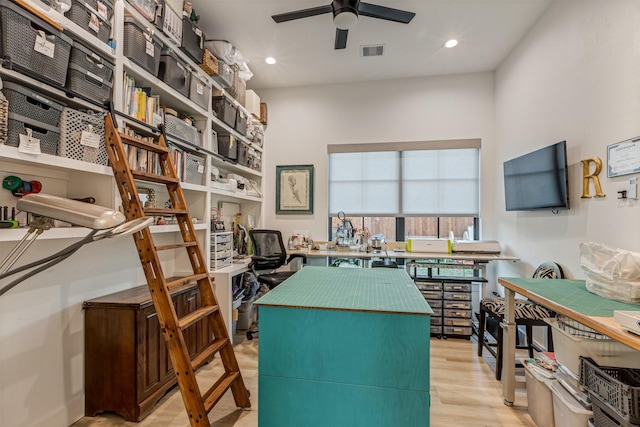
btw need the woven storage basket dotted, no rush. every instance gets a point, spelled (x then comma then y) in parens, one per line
(4, 120)
(47, 134)
(31, 104)
(176, 128)
(72, 124)
(82, 12)
(209, 63)
(20, 31)
(138, 46)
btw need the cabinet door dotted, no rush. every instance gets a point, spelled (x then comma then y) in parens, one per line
(153, 360)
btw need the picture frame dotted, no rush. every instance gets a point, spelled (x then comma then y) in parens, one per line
(623, 158)
(294, 189)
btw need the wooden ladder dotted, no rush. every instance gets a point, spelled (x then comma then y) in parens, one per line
(196, 403)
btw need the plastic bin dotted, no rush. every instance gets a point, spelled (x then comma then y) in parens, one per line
(96, 20)
(242, 154)
(141, 47)
(177, 128)
(47, 134)
(603, 416)
(31, 104)
(241, 122)
(89, 60)
(225, 75)
(192, 40)
(568, 349)
(87, 84)
(567, 411)
(539, 398)
(227, 146)
(174, 72)
(73, 124)
(619, 388)
(21, 32)
(199, 91)
(224, 109)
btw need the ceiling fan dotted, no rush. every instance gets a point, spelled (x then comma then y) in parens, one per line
(345, 16)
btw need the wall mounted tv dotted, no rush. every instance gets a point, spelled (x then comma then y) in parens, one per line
(537, 180)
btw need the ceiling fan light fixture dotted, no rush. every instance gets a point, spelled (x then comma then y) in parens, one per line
(345, 18)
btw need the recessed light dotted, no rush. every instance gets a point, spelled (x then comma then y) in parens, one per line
(270, 60)
(451, 43)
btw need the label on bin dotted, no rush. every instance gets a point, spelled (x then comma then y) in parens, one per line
(29, 144)
(94, 23)
(102, 10)
(200, 89)
(150, 49)
(200, 168)
(43, 45)
(90, 139)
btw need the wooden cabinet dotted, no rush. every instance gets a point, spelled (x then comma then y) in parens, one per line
(127, 367)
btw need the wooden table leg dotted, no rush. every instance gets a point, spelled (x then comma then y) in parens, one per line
(509, 349)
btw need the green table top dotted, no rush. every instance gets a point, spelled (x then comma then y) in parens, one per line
(572, 294)
(356, 289)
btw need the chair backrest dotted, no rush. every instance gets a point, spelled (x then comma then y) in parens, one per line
(548, 270)
(268, 249)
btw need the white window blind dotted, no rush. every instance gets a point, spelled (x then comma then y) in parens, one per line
(438, 182)
(364, 183)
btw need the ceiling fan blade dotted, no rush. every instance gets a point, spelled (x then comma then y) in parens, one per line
(341, 39)
(303, 13)
(381, 12)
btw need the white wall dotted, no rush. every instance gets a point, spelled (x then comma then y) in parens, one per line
(302, 121)
(574, 77)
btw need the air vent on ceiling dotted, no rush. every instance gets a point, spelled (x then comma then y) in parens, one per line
(372, 50)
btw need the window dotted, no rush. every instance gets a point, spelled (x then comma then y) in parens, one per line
(422, 189)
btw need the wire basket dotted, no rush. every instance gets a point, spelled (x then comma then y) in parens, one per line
(577, 329)
(177, 128)
(73, 124)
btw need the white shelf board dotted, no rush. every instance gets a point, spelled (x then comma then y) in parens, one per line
(235, 195)
(15, 234)
(232, 167)
(52, 162)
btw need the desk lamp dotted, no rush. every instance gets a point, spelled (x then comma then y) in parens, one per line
(103, 222)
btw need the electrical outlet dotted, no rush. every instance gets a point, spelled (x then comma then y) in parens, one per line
(633, 188)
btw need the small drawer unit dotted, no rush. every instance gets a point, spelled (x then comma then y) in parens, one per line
(221, 249)
(432, 293)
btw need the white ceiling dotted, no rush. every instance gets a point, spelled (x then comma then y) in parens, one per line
(487, 30)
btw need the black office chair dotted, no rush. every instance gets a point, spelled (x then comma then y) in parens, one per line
(269, 254)
(528, 314)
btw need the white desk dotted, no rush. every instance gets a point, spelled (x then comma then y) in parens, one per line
(222, 285)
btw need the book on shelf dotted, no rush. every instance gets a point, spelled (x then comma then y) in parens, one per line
(139, 103)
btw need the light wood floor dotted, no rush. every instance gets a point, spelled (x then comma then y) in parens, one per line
(464, 392)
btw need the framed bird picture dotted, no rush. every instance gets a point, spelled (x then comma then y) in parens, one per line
(294, 189)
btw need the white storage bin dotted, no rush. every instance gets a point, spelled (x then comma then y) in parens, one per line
(567, 411)
(605, 352)
(539, 398)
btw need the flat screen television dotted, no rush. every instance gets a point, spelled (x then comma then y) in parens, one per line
(537, 180)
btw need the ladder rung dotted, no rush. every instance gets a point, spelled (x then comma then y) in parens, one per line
(175, 245)
(214, 394)
(136, 142)
(204, 356)
(165, 211)
(152, 177)
(196, 315)
(184, 280)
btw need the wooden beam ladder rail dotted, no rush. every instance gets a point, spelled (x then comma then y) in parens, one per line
(197, 404)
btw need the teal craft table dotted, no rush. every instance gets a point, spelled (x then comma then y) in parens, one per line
(344, 347)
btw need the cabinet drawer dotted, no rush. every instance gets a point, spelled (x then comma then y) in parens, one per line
(457, 296)
(436, 320)
(429, 286)
(465, 314)
(457, 305)
(434, 303)
(456, 330)
(436, 330)
(429, 295)
(457, 287)
(436, 312)
(454, 321)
